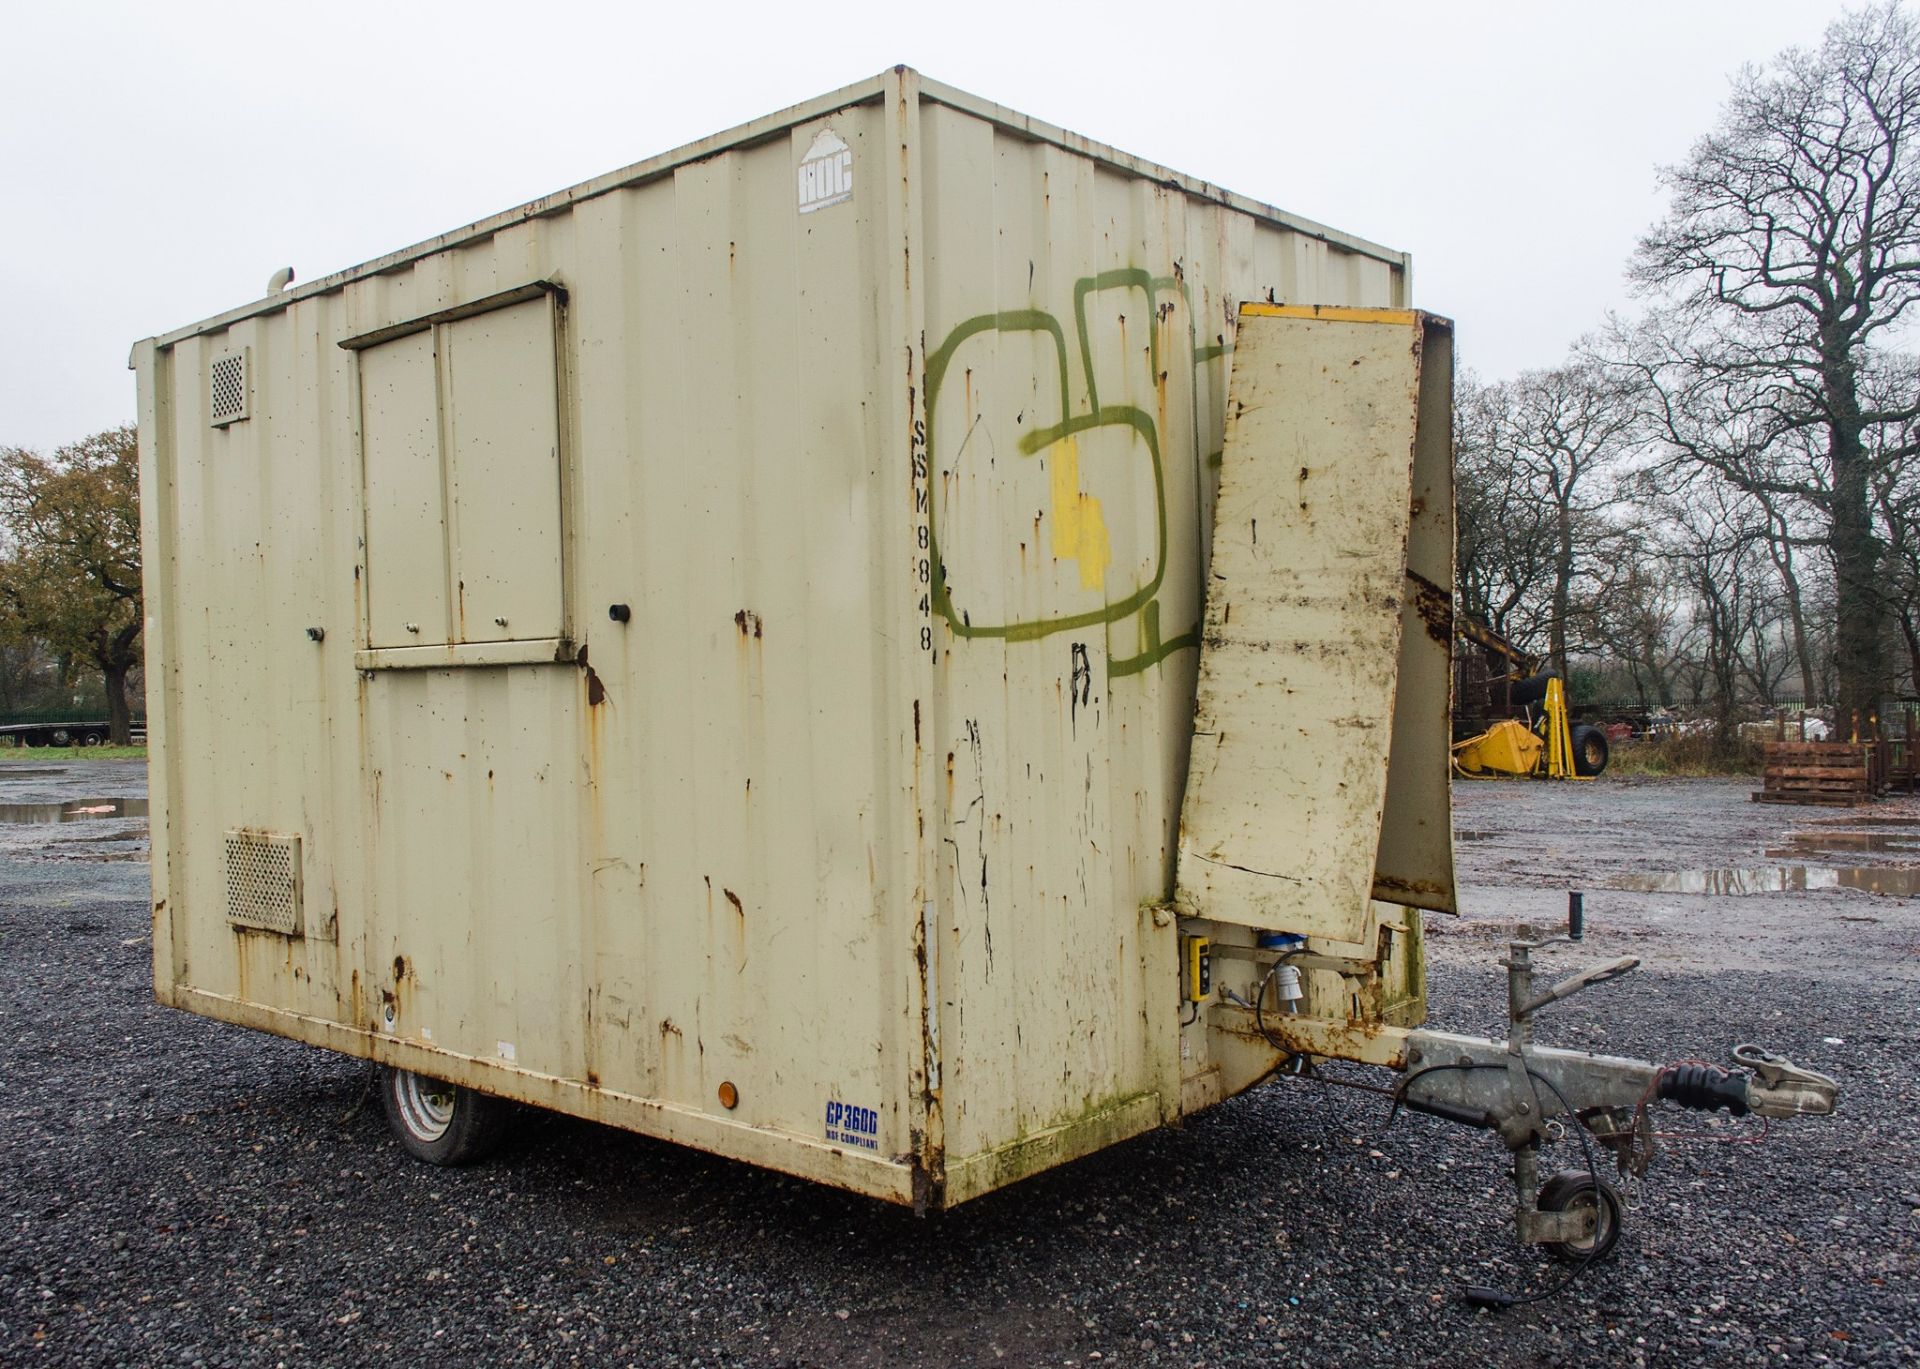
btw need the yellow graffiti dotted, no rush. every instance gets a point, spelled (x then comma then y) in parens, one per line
(1079, 531)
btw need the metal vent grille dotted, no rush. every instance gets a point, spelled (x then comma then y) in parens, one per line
(263, 881)
(227, 388)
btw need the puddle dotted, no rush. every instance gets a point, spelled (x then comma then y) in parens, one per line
(30, 772)
(73, 810)
(1777, 879)
(1805, 844)
(1865, 822)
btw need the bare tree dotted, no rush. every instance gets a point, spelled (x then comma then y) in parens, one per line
(1792, 244)
(1567, 428)
(1639, 619)
(1787, 549)
(1505, 536)
(1537, 456)
(1897, 503)
(1713, 535)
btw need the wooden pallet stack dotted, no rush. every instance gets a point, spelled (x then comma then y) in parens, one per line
(1841, 774)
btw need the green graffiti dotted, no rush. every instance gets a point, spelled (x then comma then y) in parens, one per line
(1128, 278)
(1153, 650)
(1142, 599)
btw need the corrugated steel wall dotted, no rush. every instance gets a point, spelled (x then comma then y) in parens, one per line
(723, 842)
(673, 864)
(1078, 324)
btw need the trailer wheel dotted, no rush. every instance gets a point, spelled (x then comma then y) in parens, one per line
(1572, 1190)
(438, 1122)
(1590, 750)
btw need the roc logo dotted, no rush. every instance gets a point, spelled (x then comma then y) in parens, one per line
(826, 172)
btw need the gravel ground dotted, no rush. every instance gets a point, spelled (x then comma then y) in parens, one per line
(177, 1192)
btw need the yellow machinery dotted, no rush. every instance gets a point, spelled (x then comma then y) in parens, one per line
(1511, 748)
(1541, 743)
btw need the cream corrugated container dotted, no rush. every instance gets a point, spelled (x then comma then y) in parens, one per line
(727, 631)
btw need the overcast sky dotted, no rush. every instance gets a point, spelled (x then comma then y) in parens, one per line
(159, 161)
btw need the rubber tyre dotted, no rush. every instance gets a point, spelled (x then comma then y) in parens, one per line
(441, 1123)
(1573, 1188)
(1531, 690)
(1590, 750)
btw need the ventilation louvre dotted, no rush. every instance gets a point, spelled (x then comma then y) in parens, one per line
(227, 382)
(263, 881)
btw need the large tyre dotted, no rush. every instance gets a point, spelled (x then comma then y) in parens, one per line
(441, 1123)
(1530, 690)
(1574, 1189)
(1590, 750)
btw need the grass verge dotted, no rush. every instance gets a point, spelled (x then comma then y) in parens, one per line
(72, 753)
(1691, 756)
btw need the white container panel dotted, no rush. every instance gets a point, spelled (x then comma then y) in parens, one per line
(811, 821)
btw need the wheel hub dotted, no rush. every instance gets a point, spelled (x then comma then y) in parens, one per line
(426, 1106)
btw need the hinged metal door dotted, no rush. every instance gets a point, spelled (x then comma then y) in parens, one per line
(1319, 773)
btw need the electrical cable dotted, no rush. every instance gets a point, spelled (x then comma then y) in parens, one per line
(1316, 1076)
(1477, 1295)
(1400, 1090)
(1639, 1129)
(1260, 998)
(1480, 1296)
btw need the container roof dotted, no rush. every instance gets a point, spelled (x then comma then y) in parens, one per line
(871, 90)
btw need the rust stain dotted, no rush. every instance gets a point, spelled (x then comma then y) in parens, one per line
(748, 622)
(734, 899)
(596, 692)
(1435, 607)
(1349, 1039)
(929, 1160)
(1407, 886)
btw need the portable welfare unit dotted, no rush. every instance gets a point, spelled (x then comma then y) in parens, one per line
(716, 650)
